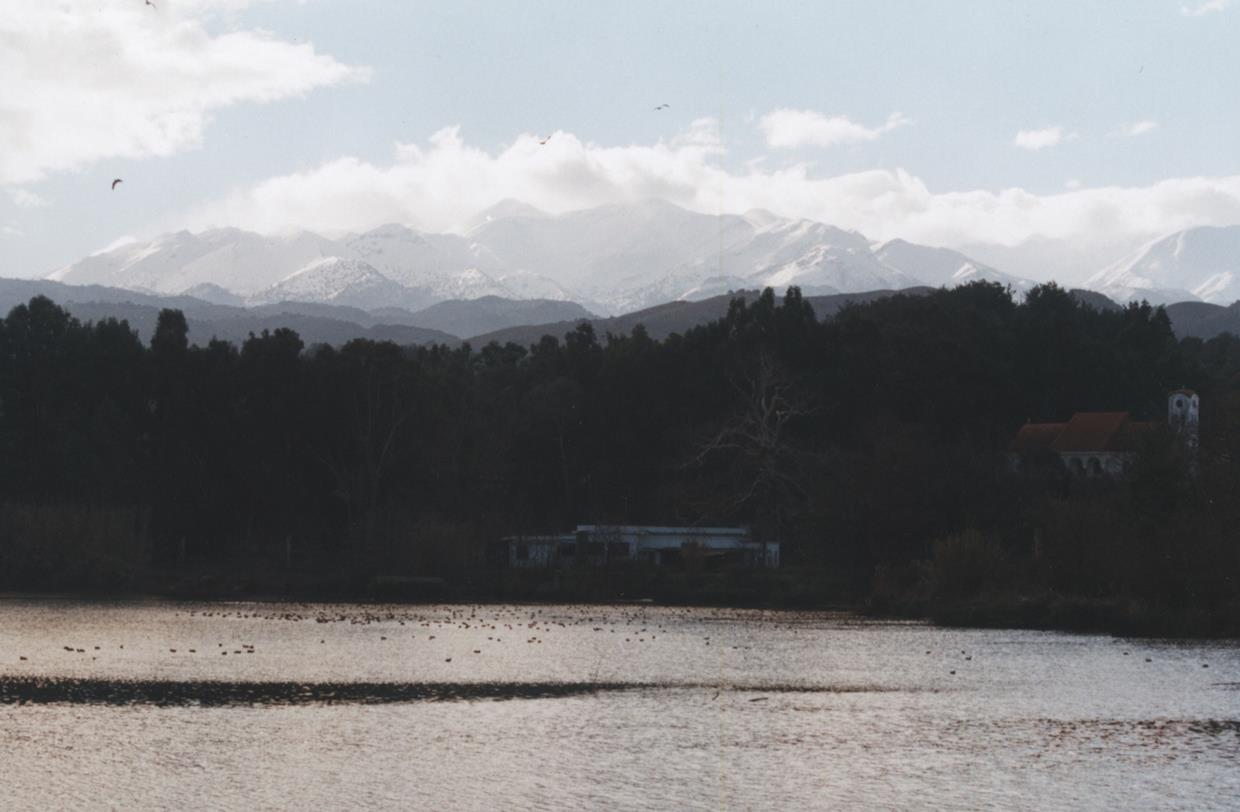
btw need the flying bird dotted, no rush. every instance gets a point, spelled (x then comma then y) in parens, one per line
(545, 140)
(152, 5)
(118, 180)
(662, 107)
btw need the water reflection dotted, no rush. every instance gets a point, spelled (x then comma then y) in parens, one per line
(252, 706)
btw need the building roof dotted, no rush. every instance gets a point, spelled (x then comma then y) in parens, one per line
(1090, 431)
(630, 530)
(655, 530)
(1086, 432)
(1035, 437)
(540, 539)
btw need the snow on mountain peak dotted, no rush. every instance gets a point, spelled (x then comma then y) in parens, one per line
(612, 258)
(1200, 263)
(334, 280)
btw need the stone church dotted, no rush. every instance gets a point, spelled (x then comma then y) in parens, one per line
(1095, 444)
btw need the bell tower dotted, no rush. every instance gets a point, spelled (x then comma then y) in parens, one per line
(1182, 406)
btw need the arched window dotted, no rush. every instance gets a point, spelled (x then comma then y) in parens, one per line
(1076, 466)
(1095, 466)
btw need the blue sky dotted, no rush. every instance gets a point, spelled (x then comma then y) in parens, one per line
(897, 118)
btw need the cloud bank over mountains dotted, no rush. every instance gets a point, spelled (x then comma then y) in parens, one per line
(86, 84)
(440, 185)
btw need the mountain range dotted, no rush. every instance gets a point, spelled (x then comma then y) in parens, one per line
(610, 259)
(519, 269)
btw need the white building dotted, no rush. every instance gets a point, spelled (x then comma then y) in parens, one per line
(1095, 444)
(600, 545)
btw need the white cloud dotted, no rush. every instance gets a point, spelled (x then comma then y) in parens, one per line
(1138, 128)
(1201, 9)
(1040, 139)
(84, 82)
(440, 185)
(10, 229)
(26, 199)
(788, 128)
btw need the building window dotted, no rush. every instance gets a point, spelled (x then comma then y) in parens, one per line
(1095, 467)
(523, 552)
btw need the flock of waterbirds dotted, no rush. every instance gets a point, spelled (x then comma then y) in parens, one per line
(461, 637)
(501, 625)
(527, 624)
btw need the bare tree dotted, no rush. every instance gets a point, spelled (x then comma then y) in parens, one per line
(754, 442)
(380, 406)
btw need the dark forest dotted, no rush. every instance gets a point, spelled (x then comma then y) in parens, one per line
(871, 445)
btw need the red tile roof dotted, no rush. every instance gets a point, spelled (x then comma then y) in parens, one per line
(1085, 432)
(1090, 431)
(1035, 437)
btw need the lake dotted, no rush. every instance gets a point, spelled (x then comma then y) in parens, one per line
(274, 706)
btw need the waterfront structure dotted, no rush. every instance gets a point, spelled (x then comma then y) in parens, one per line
(593, 545)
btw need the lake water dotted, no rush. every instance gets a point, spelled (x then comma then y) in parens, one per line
(292, 706)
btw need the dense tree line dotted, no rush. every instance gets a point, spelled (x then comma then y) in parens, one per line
(862, 442)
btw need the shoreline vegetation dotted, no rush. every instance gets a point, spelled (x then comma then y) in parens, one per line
(872, 446)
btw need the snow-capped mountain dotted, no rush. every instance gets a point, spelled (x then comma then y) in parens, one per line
(834, 268)
(237, 261)
(611, 259)
(418, 260)
(606, 252)
(760, 250)
(943, 267)
(352, 282)
(420, 269)
(470, 283)
(1201, 263)
(632, 256)
(526, 285)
